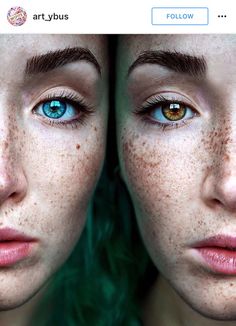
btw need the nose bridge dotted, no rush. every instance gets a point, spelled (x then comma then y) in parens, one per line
(223, 137)
(220, 182)
(224, 153)
(13, 182)
(9, 158)
(8, 139)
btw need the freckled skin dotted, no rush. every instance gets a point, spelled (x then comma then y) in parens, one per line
(47, 172)
(182, 181)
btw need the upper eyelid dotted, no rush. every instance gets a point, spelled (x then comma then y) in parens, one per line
(161, 98)
(60, 92)
(64, 98)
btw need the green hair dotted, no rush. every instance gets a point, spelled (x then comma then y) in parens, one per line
(99, 284)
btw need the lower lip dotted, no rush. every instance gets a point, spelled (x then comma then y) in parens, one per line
(219, 260)
(12, 252)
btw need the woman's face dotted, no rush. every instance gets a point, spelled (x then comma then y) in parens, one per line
(176, 118)
(53, 112)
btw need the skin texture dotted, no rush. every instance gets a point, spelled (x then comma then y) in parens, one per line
(47, 172)
(182, 179)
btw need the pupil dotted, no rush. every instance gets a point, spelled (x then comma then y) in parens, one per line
(54, 109)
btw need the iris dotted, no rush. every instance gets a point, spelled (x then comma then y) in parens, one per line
(54, 109)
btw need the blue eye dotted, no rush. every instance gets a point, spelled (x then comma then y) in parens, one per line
(54, 109)
(57, 109)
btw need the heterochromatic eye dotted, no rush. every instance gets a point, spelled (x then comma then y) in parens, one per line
(57, 109)
(171, 112)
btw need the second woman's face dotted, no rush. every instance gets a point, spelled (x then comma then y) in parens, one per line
(53, 113)
(176, 118)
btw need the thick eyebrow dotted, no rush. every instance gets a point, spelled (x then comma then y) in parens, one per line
(176, 61)
(55, 59)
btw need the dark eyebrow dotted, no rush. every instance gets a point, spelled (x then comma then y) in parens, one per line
(176, 61)
(55, 59)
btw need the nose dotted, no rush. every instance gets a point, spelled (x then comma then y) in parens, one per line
(13, 183)
(219, 185)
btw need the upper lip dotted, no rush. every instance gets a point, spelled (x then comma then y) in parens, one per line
(8, 234)
(221, 241)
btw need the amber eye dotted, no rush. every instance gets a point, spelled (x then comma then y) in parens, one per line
(174, 111)
(167, 112)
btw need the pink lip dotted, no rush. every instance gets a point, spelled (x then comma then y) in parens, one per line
(218, 253)
(14, 246)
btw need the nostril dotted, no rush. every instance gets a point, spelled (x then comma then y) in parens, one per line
(16, 196)
(217, 202)
(13, 195)
(13, 186)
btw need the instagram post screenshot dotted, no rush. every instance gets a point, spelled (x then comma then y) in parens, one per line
(117, 163)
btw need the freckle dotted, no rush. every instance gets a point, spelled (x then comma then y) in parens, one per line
(6, 144)
(226, 157)
(78, 145)
(95, 128)
(35, 204)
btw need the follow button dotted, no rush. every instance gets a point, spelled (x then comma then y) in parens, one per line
(180, 16)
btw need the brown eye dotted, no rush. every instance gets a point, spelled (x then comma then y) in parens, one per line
(167, 112)
(174, 111)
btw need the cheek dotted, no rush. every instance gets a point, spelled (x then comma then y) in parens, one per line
(164, 180)
(61, 173)
(158, 174)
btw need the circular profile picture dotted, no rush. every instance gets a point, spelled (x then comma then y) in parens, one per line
(16, 16)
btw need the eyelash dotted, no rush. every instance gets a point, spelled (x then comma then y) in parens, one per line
(144, 111)
(69, 97)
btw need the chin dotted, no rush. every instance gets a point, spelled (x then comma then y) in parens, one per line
(217, 308)
(10, 302)
(19, 296)
(216, 313)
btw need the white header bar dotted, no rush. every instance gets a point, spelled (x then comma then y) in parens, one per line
(117, 17)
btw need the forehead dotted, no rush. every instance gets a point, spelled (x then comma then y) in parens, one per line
(218, 50)
(207, 45)
(20, 47)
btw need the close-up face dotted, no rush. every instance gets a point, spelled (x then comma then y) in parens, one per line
(53, 114)
(176, 129)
